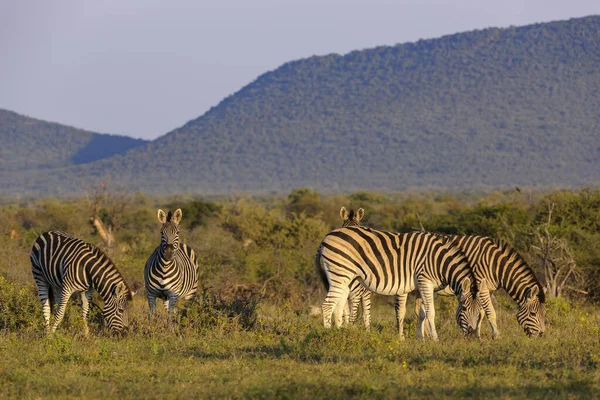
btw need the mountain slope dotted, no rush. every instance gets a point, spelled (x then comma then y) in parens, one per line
(29, 143)
(493, 107)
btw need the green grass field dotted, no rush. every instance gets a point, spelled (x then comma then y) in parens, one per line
(288, 354)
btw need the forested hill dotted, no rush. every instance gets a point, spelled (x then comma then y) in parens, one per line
(29, 143)
(515, 106)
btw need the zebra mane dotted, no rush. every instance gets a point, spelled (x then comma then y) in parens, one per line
(169, 216)
(507, 250)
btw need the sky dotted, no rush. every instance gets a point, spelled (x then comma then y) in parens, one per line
(145, 67)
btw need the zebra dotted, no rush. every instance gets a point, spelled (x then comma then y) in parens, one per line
(497, 266)
(358, 294)
(171, 271)
(395, 264)
(63, 265)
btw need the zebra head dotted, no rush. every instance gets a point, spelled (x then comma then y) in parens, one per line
(532, 312)
(350, 218)
(169, 233)
(115, 308)
(468, 310)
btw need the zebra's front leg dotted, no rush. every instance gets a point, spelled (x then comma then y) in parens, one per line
(366, 305)
(44, 295)
(400, 306)
(486, 304)
(426, 291)
(170, 306)
(62, 300)
(86, 299)
(151, 304)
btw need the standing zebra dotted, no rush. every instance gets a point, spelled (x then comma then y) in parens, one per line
(395, 264)
(66, 265)
(172, 270)
(497, 266)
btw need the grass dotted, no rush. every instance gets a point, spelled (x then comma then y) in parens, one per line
(288, 354)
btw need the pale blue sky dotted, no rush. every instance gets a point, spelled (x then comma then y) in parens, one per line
(145, 67)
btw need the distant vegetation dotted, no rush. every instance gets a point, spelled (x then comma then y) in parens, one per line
(31, 144)
(495, 107)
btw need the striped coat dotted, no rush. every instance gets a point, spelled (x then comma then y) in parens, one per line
(171, 271)
(395, 264)
(63, 265)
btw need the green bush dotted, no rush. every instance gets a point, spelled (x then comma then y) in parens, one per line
(207, 310)
(19, 307)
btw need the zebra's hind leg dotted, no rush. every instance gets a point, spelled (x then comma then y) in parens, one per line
(400, 306)
(86, 299)
(426, 291)
(347, 314)
(333, 303)
(338, 309)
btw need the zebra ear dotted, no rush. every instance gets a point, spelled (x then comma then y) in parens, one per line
(120, 289)
(466, 285)
(162, 217)
(531, 293)
(343, 213)
(360, 214)
(177, 216)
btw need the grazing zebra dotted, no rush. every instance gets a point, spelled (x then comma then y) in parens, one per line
(395, 264)
(66, 265)
(357, 292)
(497, 266)
(172, 270)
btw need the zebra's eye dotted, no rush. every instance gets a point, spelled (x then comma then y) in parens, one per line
(533, 314)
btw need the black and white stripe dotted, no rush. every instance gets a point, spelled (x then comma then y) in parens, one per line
(63, 265)
(172, 270)
(395, 264)
(497, 266)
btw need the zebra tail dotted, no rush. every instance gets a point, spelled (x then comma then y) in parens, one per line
(320, 271)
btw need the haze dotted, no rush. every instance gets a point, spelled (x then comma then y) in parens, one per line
(142, 68)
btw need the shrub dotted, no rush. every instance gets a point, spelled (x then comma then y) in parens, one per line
(238, 309)
(19, 307)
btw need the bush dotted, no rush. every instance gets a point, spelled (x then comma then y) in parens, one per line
(238, 309)
(19, 307)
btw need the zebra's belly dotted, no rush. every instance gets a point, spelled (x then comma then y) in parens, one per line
(391, 288)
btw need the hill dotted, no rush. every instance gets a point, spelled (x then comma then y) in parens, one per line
(29, 143)
(493, 107)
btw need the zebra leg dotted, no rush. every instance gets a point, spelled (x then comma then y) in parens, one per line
(422, 328)
(44, 295)
(338, 310)
(366, 306)
(400, 306)
(490, 312)
(347, 314)
(86, 299)
(62, 300)
(170, 305)
(151, 304)
(426, 291)
(334, 296)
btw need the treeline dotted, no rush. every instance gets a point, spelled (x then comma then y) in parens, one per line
(268, 244)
